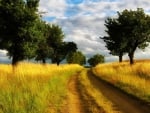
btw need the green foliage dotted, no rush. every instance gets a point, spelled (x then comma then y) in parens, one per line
(62, 51)
(76, 58)
(18, 30)
(55, 41)
(128, 32)
(136, 29)
(43, 50)
(56, 35)
(115, 41)
(96, 59)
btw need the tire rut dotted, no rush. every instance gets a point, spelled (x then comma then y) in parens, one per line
(74, 101)
(122, 101)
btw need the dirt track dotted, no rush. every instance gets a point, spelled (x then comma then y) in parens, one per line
(122, 101)
(74, 100)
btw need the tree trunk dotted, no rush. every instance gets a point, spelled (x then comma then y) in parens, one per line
(120, 57)
(58, 63)
(15, 60)
(131, 56)
(43, 61)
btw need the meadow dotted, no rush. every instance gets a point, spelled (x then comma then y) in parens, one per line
(133, 79)
(34, 88)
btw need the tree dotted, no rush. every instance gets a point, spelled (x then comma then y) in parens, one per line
(43, 51)
(62, 51)
(55, 41)
(76, 58)
(60, 48)
(115, 41)
(136, 28)
(96, 59)
(128, 32)
(18, 30)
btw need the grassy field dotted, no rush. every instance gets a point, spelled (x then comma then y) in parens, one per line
(34, 88)
(133, 79)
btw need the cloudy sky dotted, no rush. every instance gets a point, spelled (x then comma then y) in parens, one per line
(82, 21)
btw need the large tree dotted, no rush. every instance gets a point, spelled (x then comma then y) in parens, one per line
(115, 41)
(136, 28)
(96, 59)
(18, 29)
(133, 32)
(76, 58)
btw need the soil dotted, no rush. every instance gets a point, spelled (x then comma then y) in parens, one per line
(74, 99)
(122, 101)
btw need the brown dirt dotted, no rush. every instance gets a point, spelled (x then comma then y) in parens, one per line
(125, 103)
(74, 99)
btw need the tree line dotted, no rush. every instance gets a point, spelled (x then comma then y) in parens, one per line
(25, 35)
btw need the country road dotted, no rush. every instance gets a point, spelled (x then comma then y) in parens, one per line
(122, 101)
(74, 98)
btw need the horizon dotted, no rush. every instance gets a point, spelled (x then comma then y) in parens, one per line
(83, 21)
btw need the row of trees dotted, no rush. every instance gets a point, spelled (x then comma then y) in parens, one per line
(129, 31)
(79, 58)
(25, 35)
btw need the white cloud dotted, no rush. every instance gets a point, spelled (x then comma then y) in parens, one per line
(87, 25)
(83, 23)
(53, 7)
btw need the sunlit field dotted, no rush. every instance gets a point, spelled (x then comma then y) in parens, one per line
(133, 79)
(34, 88)
(96, 102)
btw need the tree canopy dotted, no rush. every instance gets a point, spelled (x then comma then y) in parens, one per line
(96, 59)
(18, 30)
(129, 31)
(114, 41)
(76, 58)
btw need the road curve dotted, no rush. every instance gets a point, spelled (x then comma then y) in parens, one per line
(122, 101)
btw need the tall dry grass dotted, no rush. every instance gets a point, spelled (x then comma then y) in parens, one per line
(34, 88)
(134, 79)
(96, 102)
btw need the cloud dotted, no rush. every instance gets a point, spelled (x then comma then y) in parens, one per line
(83, 22)
(53, 8)
(3, 57)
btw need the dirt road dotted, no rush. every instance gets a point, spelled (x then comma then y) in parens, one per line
(74, 101)
(122, 101)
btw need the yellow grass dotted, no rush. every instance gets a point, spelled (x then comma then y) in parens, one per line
(34, 88)
(96, 101)
(133, 79)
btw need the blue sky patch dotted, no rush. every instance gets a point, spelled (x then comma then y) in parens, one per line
(74, 1)
(71, 11)
(49, 19)
(104, 0)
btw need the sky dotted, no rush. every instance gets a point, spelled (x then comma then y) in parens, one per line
(82, 22)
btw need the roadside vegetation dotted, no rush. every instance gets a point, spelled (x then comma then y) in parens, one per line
(34, 88)
(133, 79)
(94, 101)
